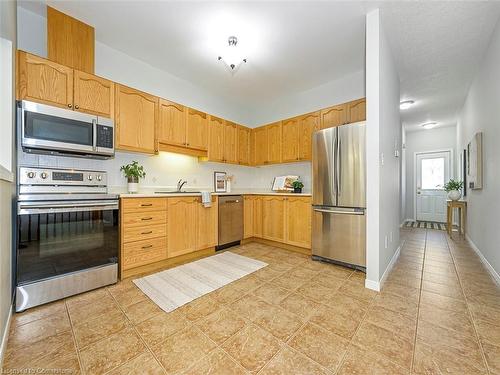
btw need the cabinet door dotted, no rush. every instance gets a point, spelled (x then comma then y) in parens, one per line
(230, 143)
(290, 140)
(357, 110)
(261, 145)
(333, 116)
(172, 123)
(207, 225)
(308, 124)
(273, 214)
(197, 130)
(135, 119)
(182, 225)
(216, 145)
(257, 216)
(248, 221)
(94, 95)
(44, 81)
(274, 136)
(298, 221)
(243, 145)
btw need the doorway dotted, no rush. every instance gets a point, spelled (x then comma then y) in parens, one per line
(432, 171)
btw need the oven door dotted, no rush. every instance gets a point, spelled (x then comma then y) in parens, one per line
(58, 238)
(45, 127)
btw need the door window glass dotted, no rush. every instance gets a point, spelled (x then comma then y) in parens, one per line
(433, 173)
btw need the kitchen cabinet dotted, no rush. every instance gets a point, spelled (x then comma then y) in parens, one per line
(261, 142)
(273, 215)
(182, 225)
(94, 95)
(274, 143)
(171, 123)
(257, 216)
(248, 219)
(216, 145)
(207, 223)
(308, 124)
(298, 221)
(290, 140)
(356, 110)
(136, 115)
(333, 116)
(230, 142)
(197, 130)
(44, 81)
(243, 145)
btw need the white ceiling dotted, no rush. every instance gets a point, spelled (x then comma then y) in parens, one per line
(295, 46)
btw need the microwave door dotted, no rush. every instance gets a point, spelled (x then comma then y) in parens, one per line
(324, 167)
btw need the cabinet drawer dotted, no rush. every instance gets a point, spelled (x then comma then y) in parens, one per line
(145, 232)
(139, 253)
(143, 219)
(143, 204)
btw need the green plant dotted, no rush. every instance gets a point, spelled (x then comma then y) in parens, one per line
(133, 170)
(453, 185)
(297, 184)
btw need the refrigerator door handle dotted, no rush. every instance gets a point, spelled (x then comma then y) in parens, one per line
(339, 212)
(339, 169)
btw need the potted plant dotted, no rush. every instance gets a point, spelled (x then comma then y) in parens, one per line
(297, 186)
(454, 189)
(133, 172)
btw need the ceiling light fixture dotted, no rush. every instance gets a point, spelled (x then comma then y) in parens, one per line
(406, 104)
(429, 125)
(232, 55)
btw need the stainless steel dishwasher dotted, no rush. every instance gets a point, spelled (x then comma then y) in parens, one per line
(230, 221)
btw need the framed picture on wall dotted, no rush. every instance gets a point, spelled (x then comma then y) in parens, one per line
(220, 182)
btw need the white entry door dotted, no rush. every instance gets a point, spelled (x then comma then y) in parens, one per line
(433, 171)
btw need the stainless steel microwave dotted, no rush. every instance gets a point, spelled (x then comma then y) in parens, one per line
(51, 130)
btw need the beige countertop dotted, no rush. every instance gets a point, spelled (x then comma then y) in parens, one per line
(149, 194)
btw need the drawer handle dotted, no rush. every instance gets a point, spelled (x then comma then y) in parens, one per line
(147, 218)
(147, 246)
(147, 232)
(146, 204)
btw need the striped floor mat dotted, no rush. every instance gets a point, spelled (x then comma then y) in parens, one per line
(425, 225)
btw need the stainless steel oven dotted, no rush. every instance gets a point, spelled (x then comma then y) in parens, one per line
(67, 235)
(52, 130)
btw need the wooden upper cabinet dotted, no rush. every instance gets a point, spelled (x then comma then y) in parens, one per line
(70, 41)
(274, 136)
(182, 223)
(207, 225)
(197, 130)
(273, 215)
(357, 110)
(243, 145)
(44, 81)
(171, 123)
(333, 116)
(290, 140)
(298, 221)
(94, 95)
(231, 142)
(216, 127)
(261, 142)
(308, 124)
(136, 115)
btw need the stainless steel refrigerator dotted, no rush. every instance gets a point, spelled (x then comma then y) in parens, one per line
(339, 189)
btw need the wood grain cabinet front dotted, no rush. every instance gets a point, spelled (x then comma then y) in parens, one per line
(244, 145)
(298, 221)
(171, 123)
(290, 140)
(183, 225)
(197, 130)
(273, 215)
(93, 94)
(141, 253)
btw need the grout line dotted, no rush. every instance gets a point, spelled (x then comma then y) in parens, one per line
(75, 342)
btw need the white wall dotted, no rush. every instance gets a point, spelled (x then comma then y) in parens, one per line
(7, 190)
(383, 139)
(481, 113)
(437, 139)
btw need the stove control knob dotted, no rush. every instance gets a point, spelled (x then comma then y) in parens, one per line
(44, 175)
(89, 177)
(99, 177)
(31, 174)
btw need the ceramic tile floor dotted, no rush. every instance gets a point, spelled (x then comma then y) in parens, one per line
(438, 313)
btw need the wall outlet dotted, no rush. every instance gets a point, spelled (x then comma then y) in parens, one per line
(386, 242)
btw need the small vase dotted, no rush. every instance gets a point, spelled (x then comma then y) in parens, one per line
(297, 190)
(133, 185)
(454, 195)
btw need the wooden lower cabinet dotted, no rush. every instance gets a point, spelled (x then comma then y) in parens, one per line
(248, 210)
(298, 221)
(207, 224)
(182, 228)
(273, 215)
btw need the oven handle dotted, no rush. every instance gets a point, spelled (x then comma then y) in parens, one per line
(49, 208)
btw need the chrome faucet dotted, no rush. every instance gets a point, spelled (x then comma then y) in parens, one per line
(180, 184)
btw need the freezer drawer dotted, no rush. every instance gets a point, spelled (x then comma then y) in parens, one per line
(339, 235)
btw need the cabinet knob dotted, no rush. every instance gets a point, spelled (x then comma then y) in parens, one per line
(187, 144)
(70, 105)
(77, 106)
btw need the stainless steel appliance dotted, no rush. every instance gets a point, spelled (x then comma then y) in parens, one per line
(339, 221)
(67, 234)
(230, 221)
(57, 131)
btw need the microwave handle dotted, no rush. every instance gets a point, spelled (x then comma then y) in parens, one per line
(94, 134)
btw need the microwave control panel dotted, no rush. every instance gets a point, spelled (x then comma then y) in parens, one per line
(105, 136)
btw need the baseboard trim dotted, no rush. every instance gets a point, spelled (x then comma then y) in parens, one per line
(5, 337)
(487, 264)
(377, 285)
